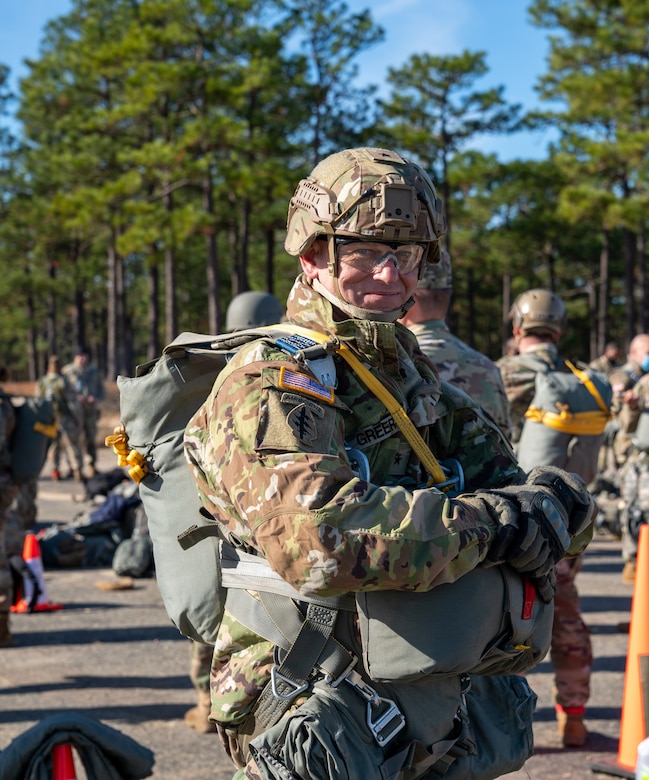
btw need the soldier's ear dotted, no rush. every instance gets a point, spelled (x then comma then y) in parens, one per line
(312, 261)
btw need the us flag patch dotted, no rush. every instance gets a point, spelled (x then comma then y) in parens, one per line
(294, 380)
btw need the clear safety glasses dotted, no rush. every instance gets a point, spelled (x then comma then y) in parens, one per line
(370, 257)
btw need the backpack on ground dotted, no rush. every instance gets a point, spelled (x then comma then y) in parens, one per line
(35, 430)
(566, 421)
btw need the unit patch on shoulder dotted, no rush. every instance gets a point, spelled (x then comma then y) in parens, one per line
(303, 383)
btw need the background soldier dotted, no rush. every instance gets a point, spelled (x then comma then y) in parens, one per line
(608, 360)
(279, 481)
(455, 361)
(539, 318)
(89, 388)
(56, 387)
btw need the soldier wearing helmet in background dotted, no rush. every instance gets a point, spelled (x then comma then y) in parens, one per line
(455, 361)
(309, 471)
(253, 309)
(538, 321)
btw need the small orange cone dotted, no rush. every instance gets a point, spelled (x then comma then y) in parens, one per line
(63, 763)
(34, 595)
(633, 728)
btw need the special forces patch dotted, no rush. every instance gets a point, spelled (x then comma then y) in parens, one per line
(294, 422)
(302, 421)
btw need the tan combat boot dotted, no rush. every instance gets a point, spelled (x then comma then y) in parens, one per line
(572, 729)
(6, 640)
(628, 572)
(196, 718)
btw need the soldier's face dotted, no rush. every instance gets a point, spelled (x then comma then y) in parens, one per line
(385, 288)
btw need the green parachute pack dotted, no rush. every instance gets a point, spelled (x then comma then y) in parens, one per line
(564, 424)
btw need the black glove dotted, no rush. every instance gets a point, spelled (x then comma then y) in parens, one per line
(571, 490)
(533, 538)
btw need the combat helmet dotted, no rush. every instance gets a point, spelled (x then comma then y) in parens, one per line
(438, 276)
(252, 309)
(539, 312)
(368, 194)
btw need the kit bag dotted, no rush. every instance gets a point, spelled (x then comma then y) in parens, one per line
(155, 407)
(35, 429)
(565, 423)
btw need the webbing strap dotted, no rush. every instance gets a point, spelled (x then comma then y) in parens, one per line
(586, 380)
(307, 640)
(429, 461)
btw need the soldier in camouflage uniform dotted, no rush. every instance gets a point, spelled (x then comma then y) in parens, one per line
(608, 360)
(8, 492)
(455, 361)
(57, 388)
(623, 381)
(634, 404)
(269, 453)
(539, 319)
(87, 383)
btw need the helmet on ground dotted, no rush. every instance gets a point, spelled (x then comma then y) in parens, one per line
(369, 194)
(539, 312)
(438, 276)
(253, 309)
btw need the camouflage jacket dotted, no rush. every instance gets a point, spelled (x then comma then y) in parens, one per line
(268, 453)
(466, 368)
(85, 380)
(59, 391)
(519, 379)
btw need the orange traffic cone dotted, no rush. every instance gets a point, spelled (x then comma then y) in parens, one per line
(63, 763)
(633, 728)
(34, 595)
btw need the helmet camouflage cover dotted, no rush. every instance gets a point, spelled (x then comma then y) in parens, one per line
(367, 194)
(540, 312)
(438, 276)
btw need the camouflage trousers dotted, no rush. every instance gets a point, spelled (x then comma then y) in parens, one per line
(88, 421)
(571, 650)
(67, 443)
(200, 664)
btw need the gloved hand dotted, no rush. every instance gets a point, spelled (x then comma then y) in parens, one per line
(534, 536)
(571, 490)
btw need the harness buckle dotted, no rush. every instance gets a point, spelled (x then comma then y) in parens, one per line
(389, 722)
(295, 688)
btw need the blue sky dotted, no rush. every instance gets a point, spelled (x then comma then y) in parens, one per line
(516, 50)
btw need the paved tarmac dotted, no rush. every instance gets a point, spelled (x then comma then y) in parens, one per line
(115, 657)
